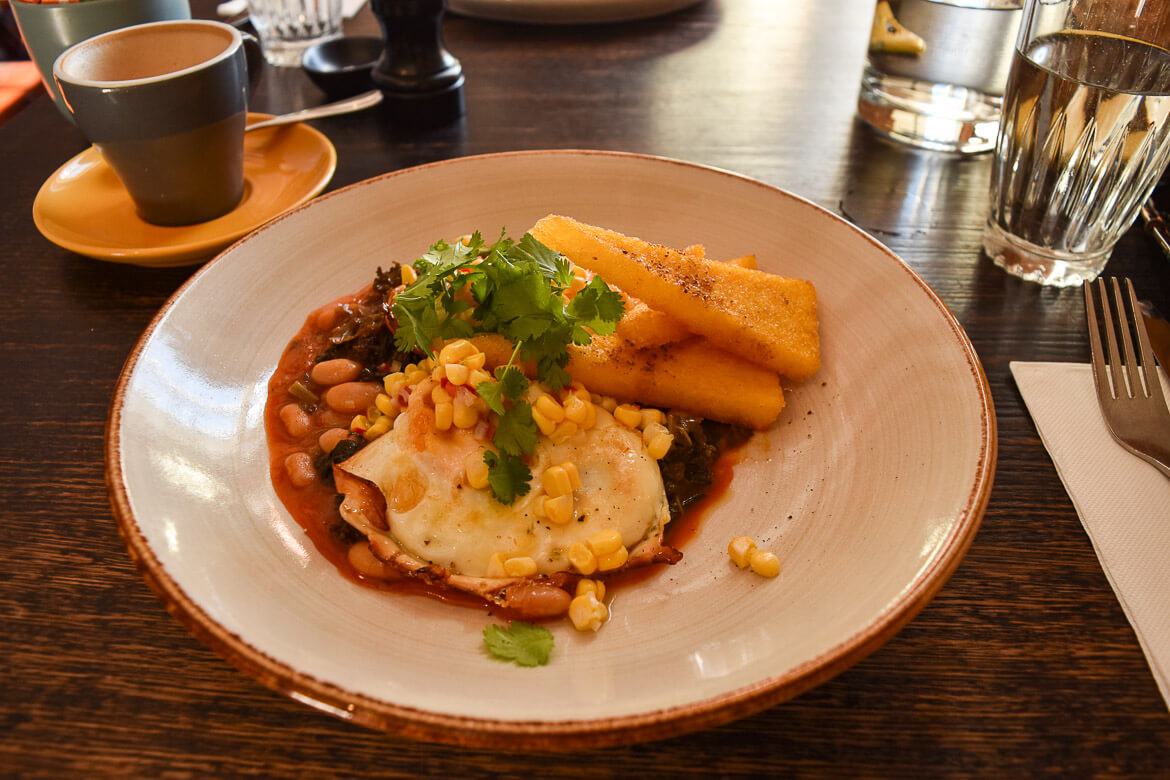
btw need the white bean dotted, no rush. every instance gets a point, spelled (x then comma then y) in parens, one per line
(334, 372)
(295, 419)
(300, 469)
(331, 438)
(351, 397)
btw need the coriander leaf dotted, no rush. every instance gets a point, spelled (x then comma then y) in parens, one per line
(492, 395)
(554, 374)
(512, 381)
(508, 476)
(516, 431)
(521, 643)
(597, 307)
(552, 264)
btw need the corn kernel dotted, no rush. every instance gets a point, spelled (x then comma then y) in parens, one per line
(377, 429)
(521, 566)
(558, 509)
(456, 352)
(495, 567)
(582, 558)
(765, 563)
(614, 560)
(590, 416)
(650, 416)
(596, 587)
(409, 275)
(392, 383)
(548, 406)
(437, 373)
(628, 415)
(457, 373)
(359, 423)
(464, 415)
(652, 430)
(564, 431)
(440, 395)
(604, 542)
(427, 364)
(659, 446)
(444, 416)
(587, 613)
(608, 403)
(385, 404)
(740, 549)
(574, 476)
(477, 376)
(555, 481)
(477, 470)
(545, 425)
(577, 410)
(475, 361)
(415, 376)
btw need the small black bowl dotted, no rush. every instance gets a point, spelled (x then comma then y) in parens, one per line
(342, 67)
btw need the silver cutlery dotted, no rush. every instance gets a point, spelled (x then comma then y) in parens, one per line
(349, 105)
(1128, 388)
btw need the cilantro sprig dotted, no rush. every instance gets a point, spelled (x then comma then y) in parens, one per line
(513, 288)
(521, 643)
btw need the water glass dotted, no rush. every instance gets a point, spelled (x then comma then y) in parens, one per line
(288, 27)
(1084, 137)
(936, 70)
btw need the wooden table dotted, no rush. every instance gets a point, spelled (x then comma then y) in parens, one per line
(1024, 664)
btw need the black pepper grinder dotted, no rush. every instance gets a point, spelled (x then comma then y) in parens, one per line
(421, 83)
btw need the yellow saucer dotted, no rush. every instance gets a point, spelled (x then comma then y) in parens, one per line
(84, 208)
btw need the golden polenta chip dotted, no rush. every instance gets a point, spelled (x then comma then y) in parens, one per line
(764, 318)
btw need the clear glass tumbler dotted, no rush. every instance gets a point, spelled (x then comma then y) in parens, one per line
(288, 27)
(936, 71)
(1084, 137)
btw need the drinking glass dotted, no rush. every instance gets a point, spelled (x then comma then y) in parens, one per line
(288, 27)
(1084, 136)
(936, 70)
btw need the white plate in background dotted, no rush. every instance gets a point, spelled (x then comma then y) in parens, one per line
(566, 11)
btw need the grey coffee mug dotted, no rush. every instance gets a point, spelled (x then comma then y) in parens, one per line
(165, 103)
(50, 28)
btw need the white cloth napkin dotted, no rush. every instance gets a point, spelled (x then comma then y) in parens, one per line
(1123, 502)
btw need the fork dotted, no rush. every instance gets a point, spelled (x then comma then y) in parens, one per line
(1128, 388)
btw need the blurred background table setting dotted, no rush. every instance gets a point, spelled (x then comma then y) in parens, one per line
(854, 144)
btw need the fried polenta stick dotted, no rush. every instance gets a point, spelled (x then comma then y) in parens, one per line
(691, 376)
(643, 326)
(766, 319)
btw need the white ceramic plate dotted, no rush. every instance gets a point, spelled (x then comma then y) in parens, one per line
(566, 11)
(869, 488)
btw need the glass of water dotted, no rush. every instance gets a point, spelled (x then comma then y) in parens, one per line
(1084, 136)
(936, 70)
(288, 27)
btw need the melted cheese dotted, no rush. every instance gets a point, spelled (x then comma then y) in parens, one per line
(436, 517)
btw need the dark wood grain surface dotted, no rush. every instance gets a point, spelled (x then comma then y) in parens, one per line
(1023, 665)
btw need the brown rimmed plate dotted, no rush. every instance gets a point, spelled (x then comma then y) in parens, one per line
(869, 488)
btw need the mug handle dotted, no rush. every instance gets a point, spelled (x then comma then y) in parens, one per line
(254, 58)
